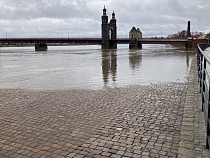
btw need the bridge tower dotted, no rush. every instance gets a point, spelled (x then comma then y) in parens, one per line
(113, 29)
(105, 30)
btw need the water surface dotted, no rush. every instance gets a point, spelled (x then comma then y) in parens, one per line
(67, 67)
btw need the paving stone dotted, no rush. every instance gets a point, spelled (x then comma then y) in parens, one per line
(193, 131)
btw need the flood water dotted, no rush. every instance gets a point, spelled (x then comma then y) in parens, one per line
(67, 67)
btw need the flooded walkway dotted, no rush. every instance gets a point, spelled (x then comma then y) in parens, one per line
(134, 121)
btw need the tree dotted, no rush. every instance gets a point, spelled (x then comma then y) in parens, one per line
(183, 34)
(208, 35)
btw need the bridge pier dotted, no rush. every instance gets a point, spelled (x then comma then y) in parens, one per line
(189, 43)
(112, 44)
(40, 47)
(134, 44)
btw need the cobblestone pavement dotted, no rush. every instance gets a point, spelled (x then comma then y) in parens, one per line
(193, 131)
(135, 121)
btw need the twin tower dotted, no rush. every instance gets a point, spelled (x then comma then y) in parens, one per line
(109, 31)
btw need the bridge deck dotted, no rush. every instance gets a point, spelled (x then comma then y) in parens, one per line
(89, 40)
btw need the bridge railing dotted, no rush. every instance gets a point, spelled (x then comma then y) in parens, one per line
(203, 64)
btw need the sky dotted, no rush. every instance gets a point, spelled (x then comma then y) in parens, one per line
(82, 18)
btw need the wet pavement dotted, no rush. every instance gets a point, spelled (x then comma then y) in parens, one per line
(193, 132)
(135, 121)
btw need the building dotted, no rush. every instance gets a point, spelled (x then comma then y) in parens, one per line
(135, 35)
(108, 31)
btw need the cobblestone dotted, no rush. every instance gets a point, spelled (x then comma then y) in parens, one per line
(193, 133)
(136, 121)
(131, 121)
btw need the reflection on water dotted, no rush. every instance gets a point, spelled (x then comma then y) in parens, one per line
(89, 67)
(187, 59)
(109, 65)
(135, 59)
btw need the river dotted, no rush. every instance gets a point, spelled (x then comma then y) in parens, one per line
(88, 67)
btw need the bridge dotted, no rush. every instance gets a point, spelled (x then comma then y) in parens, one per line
(97, 41)
(94, 41)
(86, 41)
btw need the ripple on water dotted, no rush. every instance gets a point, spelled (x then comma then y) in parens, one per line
(90, 68)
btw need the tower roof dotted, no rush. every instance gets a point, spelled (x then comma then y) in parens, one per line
(133, 30)
(138, 30)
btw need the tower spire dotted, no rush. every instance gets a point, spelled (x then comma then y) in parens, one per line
(113, 15)
(104, 10)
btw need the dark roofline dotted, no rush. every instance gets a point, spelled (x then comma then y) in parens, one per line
(133, 30)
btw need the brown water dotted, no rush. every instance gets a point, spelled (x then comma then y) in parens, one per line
(68, 67)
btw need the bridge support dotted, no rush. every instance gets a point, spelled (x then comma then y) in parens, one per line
(134, 44)
(189, 43)
(112, 44)
(41, 47)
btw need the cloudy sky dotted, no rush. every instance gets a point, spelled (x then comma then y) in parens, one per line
(82, 18)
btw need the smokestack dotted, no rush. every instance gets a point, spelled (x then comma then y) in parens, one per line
(188, 30)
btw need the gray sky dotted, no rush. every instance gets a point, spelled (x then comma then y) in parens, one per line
(82, 18)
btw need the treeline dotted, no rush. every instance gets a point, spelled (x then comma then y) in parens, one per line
(195, 34)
